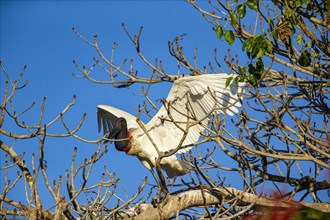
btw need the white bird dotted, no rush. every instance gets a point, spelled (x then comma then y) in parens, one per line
(182, 118)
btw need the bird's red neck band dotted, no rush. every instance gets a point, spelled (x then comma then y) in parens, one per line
(126, 149)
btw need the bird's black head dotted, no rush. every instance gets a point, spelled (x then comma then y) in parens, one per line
(120, 134)
(117, 128)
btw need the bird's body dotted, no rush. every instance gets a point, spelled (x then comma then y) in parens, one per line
(148, 155)
(141, 146)
(177, 125)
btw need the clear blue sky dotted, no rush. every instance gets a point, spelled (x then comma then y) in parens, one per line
(39, 34)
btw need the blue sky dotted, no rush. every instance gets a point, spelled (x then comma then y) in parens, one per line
(39, 34)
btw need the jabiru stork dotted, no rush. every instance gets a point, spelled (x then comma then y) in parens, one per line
(185, 114)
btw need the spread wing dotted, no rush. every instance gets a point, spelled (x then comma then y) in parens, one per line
(190, 103)
(106, 115)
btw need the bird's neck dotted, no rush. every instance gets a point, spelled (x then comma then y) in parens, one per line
(126, 149)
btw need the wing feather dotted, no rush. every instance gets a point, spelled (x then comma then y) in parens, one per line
(105, 112)
(105, 120)
(191, 99)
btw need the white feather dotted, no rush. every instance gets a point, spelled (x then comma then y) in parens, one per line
(131, 120)
(191, 99)
(199, 92)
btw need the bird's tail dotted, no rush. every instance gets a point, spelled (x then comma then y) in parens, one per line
(175, 167)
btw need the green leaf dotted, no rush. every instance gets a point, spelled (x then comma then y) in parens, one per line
(242, 71)
(270, 22)
(228, 80)
(252, 4)
(255, 72)
(260, 53)
(257, 46)
(233, 18)
(259, 66)
(219, 31)
(269, 46)
(242, 74)
(236, 79)
(305, 59)
(241, 10)
(253, 78)
(251, 69)
(247, 43)
(258, 38)
(328, 83)
(316, 52)
(300, 38)
(274, 34)
(229, 37)
(288, 12)
(298, 3)
(254, 50)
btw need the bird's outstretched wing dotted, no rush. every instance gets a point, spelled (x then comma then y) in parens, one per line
(107, 114)
(105, 120)
(190, 103)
